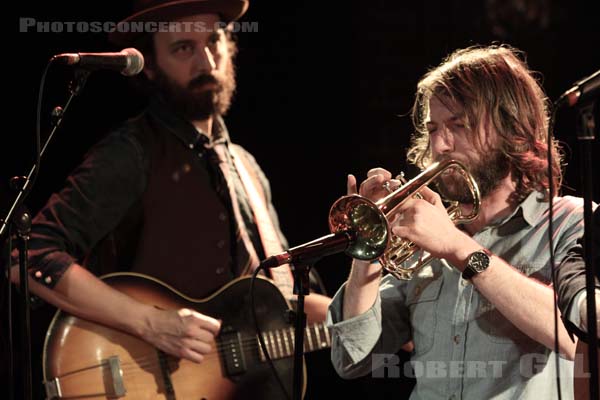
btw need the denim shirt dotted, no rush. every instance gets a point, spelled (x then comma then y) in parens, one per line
(464, 347)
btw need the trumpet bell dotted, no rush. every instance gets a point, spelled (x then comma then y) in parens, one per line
(361, 216)
(369, 220)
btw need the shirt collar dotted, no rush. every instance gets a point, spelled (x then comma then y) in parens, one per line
(531, 209)
(220, 134)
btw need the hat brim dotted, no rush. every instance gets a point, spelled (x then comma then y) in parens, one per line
(228, 10)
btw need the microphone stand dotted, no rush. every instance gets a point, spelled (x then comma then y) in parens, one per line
(301, 288)
(585, 135)
(301, 258)
(18, 216)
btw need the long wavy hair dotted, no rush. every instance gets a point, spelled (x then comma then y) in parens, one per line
(496, 89)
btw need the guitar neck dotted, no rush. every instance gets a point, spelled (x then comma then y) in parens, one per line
(280, 343)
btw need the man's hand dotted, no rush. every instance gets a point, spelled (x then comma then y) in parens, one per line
(422, 221)
(183, 333)
(426, 223)
(373, 187)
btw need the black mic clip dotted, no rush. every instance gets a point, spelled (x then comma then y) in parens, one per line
(312, 251)
(581, 90)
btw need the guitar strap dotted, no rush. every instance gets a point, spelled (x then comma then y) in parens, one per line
(282, 276)
(242, 237)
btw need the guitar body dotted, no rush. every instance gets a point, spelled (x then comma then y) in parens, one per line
(83, 359)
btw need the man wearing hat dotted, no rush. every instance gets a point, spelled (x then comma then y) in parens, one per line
(167, 194)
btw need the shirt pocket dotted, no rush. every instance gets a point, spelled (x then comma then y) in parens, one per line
(422, 304)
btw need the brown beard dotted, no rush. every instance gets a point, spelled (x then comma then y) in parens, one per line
(487, 173)
(201, 104)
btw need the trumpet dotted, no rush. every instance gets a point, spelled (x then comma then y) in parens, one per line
(368, 221)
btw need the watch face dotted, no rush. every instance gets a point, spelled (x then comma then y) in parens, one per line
(479, 261)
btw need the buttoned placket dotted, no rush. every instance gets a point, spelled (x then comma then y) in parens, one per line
(464, 311)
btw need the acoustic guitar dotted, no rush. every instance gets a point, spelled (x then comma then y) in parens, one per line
(86, 360)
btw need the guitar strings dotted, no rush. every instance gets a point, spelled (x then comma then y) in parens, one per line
(150, 360)
(278, 347)
(249, 343)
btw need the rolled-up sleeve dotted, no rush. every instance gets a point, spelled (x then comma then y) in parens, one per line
(95, 198)
(571, 281)
(382, 329)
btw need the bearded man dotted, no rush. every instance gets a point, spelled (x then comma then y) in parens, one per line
(167, 195)
(479, 318)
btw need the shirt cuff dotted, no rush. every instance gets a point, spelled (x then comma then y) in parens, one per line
(51, 268)
(356, 336)
(578, 304)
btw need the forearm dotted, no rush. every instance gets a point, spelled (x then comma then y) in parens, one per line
(82, 294)
(361, 289)
(527, 303)
(358, 341)
(524, 301)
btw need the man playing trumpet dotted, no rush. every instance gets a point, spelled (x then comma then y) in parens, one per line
(479, 318)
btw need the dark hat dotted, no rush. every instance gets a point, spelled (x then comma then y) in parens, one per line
(161, 10)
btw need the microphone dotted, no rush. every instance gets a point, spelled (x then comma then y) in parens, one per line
(128, 61)
(581, 90)
(312, 251)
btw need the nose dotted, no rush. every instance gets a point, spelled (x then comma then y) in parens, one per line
(442, 142)
(205, 61)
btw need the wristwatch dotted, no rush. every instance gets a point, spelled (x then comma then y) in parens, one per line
(477, 262)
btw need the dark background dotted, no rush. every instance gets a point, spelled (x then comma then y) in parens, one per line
(324, 89)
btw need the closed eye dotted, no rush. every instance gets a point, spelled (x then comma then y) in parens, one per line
(458, 121)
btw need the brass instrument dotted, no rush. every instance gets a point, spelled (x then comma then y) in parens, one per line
(368, 221)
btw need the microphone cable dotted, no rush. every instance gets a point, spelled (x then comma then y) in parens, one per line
(259, 335)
